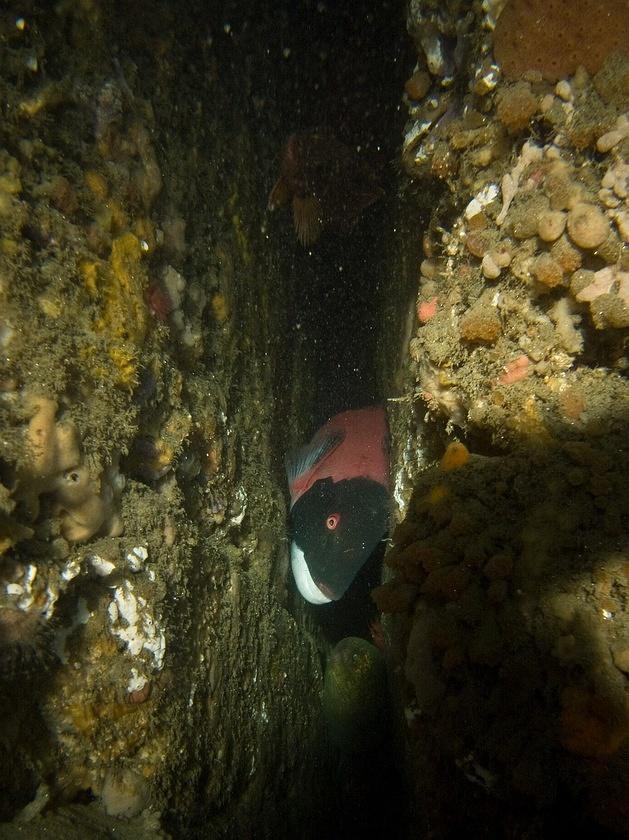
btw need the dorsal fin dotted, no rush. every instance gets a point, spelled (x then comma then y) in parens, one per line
(302, 460)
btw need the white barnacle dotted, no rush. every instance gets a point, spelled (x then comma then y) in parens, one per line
(137, 557)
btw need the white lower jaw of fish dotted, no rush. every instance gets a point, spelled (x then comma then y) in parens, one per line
(306, 585)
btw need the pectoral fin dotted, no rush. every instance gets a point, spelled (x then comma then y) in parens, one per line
(307, 219)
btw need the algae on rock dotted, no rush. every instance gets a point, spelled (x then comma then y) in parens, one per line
(143, 614)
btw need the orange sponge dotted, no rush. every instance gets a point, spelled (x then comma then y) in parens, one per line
(555, 36)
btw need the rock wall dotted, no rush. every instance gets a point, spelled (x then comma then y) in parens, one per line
(149, 662)
(508, 572)
(163, 342)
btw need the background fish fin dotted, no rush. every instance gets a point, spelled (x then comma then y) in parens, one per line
(307, 219)
(301, 460)
(279, 195)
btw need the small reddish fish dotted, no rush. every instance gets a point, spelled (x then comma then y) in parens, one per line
(328, 184)
(340, 502)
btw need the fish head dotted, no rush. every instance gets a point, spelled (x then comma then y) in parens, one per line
(335, 528)
(293, 162)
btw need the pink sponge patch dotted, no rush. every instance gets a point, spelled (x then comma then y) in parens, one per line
(426, 309)
(515, 370)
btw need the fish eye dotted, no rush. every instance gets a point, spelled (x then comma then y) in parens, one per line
(332, 521)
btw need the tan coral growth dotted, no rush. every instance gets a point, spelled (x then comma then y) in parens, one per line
(481, 324)
(54, 465)
(587, 226)
(555, 36)
(547, 271)
(516, 106)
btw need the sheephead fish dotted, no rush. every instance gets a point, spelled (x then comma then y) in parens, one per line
(340, 503)
(328, 184)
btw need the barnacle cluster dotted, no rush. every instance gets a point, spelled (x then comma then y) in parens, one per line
(450, 37)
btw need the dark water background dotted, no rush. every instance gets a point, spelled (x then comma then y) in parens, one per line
(348, 65)
(345, 68)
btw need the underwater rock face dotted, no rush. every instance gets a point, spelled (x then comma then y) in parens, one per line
(148, 662)
(507, 597)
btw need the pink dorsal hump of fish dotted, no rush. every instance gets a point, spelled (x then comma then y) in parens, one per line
(339, 490)
(328, 183)
(351, 444)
